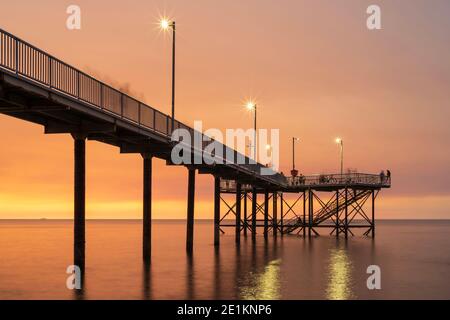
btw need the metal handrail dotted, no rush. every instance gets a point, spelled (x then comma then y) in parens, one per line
(25, 60)
(340, 179)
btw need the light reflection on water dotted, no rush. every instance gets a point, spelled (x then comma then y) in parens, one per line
(340, 270)
(264, 285)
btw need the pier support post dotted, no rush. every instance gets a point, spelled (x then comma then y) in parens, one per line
(216, 211)
(337, 213)
(147, 208)
(266, 213)
(190, 211)
(254, 202)
(310, 211)
(79, 200)
(281, 214)
(346, 214)
(373, 213)
(245, 214)
(304, 214)
(238, 212)
(275, 214)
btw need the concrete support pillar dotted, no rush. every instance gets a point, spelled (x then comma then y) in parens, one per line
(147, 208)
(266, 213)
(79, 201)
(254, 202)
(337, 213)
(190, 211)
(238, 212)
(245, 214)
(216, 211)
(310, 211)
(281, 214)
(373, 213)
(275, 214)
(346, 214)
(304, 214)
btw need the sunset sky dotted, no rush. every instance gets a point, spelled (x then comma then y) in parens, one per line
(314, 68)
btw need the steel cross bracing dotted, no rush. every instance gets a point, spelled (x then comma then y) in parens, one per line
(342, 211)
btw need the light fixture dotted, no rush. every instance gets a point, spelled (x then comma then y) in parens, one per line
(164, 23)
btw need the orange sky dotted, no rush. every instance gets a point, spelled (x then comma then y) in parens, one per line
(315, 68)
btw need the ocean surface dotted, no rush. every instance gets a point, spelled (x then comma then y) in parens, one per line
(414, 257)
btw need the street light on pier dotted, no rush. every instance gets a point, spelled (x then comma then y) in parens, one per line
(294, 172)
(251, 106)
(165, 25)
(340, 142)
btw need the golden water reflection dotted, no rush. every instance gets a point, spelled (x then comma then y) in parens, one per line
(339, 275)
(263, 285)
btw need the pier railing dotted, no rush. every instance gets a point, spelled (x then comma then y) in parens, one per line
(230, 186)
(321, 180)
(25, 60)
(30, 62)
(340, 179)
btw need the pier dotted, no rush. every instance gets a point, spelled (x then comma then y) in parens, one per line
(338, 202)
(39, 88)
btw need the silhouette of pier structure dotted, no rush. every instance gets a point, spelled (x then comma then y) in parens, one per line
(341, 202)
(39, 88)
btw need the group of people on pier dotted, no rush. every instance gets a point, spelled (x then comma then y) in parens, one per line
(338, 179)
(384, 177)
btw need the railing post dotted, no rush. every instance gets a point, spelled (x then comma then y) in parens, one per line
(50, 71)
(167, 127)
(16, 63)
(78, 85)
(139, 113)
(101, 96)
(121, 104)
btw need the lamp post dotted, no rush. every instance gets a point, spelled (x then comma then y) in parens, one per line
(252, 106)
(165, 25)
(294, 172)
(340, 142)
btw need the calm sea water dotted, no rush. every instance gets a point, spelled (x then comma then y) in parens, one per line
(414, 258)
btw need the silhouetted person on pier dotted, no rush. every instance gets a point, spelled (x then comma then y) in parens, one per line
(382, 176)
(388, 173)
(301, 179)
